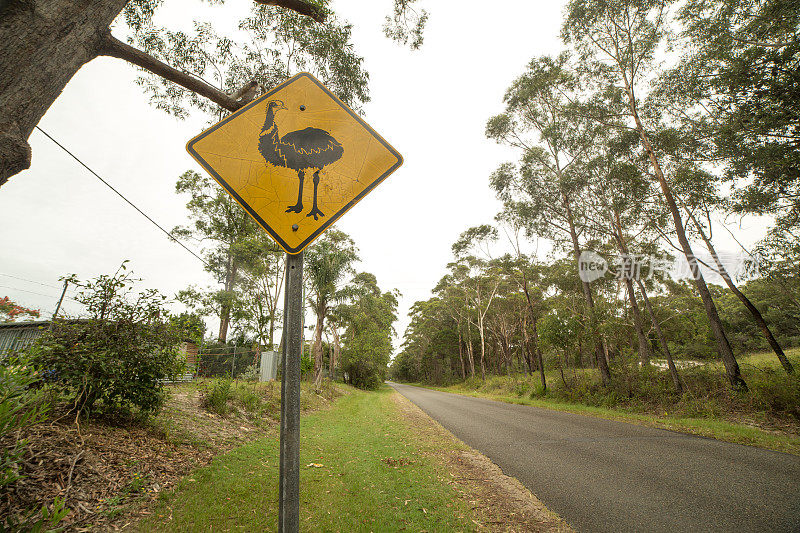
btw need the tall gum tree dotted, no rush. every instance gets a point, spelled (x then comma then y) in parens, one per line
(221, 222)
(620, 194)
(553, 141)
(43, 44)
(617, 40)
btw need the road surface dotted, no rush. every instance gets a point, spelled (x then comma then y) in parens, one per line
(602, 475)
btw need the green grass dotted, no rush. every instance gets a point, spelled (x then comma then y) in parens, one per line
(762, 359)
(704, 426)
(377, 474)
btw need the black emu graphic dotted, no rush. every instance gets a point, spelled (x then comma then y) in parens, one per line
(303, 150)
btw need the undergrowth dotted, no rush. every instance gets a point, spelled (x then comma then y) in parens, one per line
(773, 395)
(226, 397)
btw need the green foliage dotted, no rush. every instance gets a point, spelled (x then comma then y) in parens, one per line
(215, 398)
(20, 407)
(37, 520)
(327, 262)
(190, 325)
(280, 43)
(306, 365)
(367, 341)
(406, 24)
(120, 355)
(742, 68)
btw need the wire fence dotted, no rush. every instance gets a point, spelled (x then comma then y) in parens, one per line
(227, 360)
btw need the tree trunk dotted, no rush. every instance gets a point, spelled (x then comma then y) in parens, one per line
(483, 347)
(318, 359)
(676, 380)
(644, 343)
(599, 355)
(539, 356)
(723, 345)
(225, 311)
(470, 351)
(42, 45)
(461, 354)
(758, 318)
(335, 353)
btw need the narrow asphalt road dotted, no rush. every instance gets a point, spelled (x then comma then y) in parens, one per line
(601, 475)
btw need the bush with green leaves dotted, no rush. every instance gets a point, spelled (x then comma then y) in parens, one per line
(20, 407)
(215, 398)
(118, 357)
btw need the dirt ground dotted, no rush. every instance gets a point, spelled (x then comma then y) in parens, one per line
(110, 474)
(502, 503)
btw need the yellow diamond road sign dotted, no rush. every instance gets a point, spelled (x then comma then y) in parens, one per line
(296, 159)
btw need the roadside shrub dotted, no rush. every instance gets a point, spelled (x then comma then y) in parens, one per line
(251, 373)
(248, 398)
(306, 365)
(521, 388)
(21, 405)
(120, 355)
(216, 397)
(20, 408)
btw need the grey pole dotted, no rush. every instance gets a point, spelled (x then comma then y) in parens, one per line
(289, 481)
(58, 305)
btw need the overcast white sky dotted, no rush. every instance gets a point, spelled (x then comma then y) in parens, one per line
(432, 105)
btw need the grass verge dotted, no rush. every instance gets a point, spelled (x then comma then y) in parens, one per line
(707, 427)
(361, 471)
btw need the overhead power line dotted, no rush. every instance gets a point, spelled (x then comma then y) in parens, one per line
(36, 293)
(36, 282)
(96, 175)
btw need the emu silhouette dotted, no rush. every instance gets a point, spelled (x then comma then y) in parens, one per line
(303, 150)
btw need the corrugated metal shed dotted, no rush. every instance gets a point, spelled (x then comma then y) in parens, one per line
(16, 336)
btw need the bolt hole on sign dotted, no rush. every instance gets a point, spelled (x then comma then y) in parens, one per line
(296, 159)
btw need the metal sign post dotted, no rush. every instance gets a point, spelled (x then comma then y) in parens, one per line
(296, 159)
(289, 483)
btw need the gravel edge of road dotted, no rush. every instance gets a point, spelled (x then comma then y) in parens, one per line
(501, 501)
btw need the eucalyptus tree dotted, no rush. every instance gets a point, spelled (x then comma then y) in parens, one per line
(622, 195)
(507, 319)
(263, 268)
(527, 273)
(699, 201)
(736, 89)
(44, 43)
(220, 221)
(544, 189)
(472, 269)
(456, 304)
(427, 352)
(327, 264)
(279, 43)
(616, 42)
(367, 341)
(618, 190)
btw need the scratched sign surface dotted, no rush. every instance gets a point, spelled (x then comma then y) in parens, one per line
(296, 159)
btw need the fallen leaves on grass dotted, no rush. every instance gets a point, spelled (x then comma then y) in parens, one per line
(402, 461)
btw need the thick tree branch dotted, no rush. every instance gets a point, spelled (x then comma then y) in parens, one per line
(304, 8)
(113, 47)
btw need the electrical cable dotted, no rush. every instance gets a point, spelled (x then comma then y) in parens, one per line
(36, 282)
(36, 293)
(156, 224)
